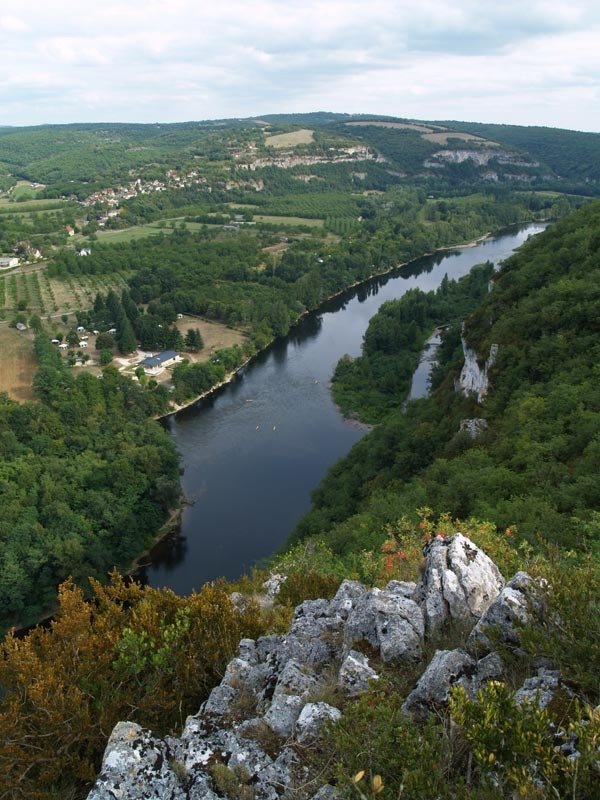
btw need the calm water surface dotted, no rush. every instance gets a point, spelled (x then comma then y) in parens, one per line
(253, 452)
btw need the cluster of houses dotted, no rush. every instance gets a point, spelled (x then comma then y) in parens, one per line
(246, 159)
(114, 196)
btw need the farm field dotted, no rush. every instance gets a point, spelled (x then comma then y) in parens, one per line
(150, 229)
(17, 363)
(39, 294)
(302, 136)
(409, 126)
(314, 223)
(9, 206)
(442, 138)
(214, 335)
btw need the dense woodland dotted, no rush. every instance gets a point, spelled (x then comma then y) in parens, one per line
(86, 479)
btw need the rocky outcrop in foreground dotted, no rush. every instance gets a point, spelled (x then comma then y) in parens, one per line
(272, 700)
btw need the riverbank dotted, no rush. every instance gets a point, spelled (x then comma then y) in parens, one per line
(255, 450)
(176, 407)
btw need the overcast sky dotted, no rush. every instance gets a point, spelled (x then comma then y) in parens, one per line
(531, 63)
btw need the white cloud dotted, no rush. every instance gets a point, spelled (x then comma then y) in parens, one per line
(147, 60)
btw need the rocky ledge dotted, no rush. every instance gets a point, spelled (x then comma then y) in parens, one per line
(270, 703)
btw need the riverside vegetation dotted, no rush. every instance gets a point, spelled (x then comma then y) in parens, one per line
(87, 477)
(51, 534)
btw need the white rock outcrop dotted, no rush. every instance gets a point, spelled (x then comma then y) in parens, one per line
(473, 378)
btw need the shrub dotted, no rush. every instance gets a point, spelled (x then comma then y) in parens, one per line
(516, 747)
(131, 653)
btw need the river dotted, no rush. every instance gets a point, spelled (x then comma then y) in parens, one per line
(253, 452)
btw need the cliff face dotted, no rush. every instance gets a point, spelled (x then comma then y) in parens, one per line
(473, 378)
(268, 707)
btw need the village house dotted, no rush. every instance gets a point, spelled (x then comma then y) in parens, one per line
(7, 262)
(154, 364)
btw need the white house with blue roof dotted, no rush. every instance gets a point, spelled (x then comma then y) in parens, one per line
(154, 364)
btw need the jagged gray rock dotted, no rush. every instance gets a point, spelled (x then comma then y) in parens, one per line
(312, 719)
(327, 792)
(458, 584)
(489, 668)
(294, 679)
(346, 597)
(267, 691)
(136, 764)
(403, 588)
(446, 669)
(473, 378)
(474, 426)
(283, 713)
(390, 623)
(355, 674)
(539, 689)
(509, 609)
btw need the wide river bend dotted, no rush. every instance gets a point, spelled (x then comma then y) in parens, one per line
(253, 451)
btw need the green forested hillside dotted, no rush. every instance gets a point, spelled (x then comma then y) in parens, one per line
(536, 467)
(85, 482)
(572, 154)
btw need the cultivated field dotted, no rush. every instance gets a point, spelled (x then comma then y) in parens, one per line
(314, 223)
(303, 136)
(410, 126)
(17, 363)
(46, 296)
(442, 138)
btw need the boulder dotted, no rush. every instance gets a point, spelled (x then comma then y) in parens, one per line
(403, 588)
(458, 584)
(509, 609)
(219, 707)
(295, 679)
(388, 622)
(346, 597)
(136, 764)
(446, 669)
(355, 674)
(283, 713)
(539, 689)
(312, 719)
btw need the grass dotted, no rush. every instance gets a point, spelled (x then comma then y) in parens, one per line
(131, 234)
(150, 229)
(214, 335)
(314, 223)
(6, 206)
(410, 126)
(17, 364)
(442, 138)
(303, 136)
